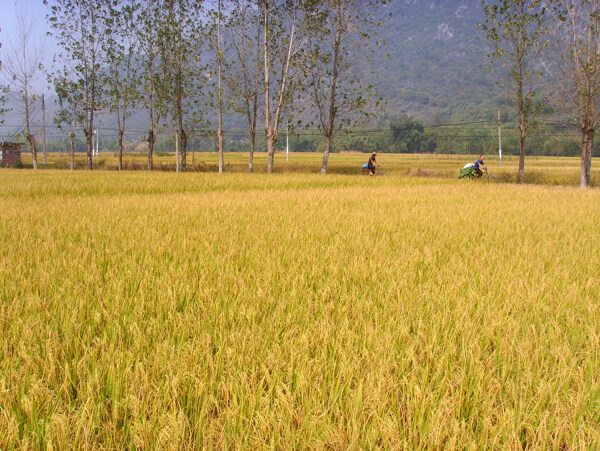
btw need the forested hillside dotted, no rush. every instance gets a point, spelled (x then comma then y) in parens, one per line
(432, 61)
(429, 63)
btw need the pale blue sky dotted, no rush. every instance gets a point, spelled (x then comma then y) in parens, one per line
(34, 10)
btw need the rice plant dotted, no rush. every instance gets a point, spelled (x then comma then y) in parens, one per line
(292, 311)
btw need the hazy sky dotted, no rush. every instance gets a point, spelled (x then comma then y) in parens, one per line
(35, 11)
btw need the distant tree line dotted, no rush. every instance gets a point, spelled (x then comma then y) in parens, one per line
(402, 134)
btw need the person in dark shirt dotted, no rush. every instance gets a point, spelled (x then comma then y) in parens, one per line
(478, 165)
(372, 164)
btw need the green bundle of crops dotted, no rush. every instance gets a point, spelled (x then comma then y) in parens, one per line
(467, 173)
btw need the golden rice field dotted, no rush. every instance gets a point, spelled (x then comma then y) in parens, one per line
(295, 311)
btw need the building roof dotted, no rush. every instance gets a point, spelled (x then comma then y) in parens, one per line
(10, 144)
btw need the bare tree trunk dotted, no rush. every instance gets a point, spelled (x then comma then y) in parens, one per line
(220, 144)
(30, 136)
(44, 126)
(183, 136)
(31, 140)
(182, 133)
(88, 147)
(577, 47)
(272, 124)
(326, 150)
(121, 150)
(151, 140)
(252, 115)
(268, 129)
(271, 141)
(523, 132)
(193, 146)
(220, 93)
(522, 117)
(71, 138)
(151, 106)
(329, 121)
(587, 150)
(252, 147)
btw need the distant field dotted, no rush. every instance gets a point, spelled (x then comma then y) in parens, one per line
(538, 170)
(296, 311)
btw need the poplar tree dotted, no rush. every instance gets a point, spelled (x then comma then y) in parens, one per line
(179, 40)
(22, 67)
(340, 32)
(218, 18)
(576, 39)
(243, 70)
(78, 28)
(153, 91)
(121, 49)
(282, 41)
(515, 29)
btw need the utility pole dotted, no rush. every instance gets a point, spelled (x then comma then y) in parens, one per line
(177, 151)
(220, 92)
(90, 115)
(193, 145)
(96, 133)
(499, 122)
(287, 143)
(44, 126)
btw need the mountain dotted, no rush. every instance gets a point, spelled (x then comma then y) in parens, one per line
(435, 63)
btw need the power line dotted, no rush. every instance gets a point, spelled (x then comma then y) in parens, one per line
(57, 131)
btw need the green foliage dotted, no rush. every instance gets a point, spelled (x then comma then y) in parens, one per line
(516, 29)
(180, 35)
(467, 173)
(337, 32)
(408, 135)
(80, 32)
(3, 110)
(121, 48)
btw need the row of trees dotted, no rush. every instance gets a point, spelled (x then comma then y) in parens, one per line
(187, 62)
(284, 63)
(404, 134)
(557, 39)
